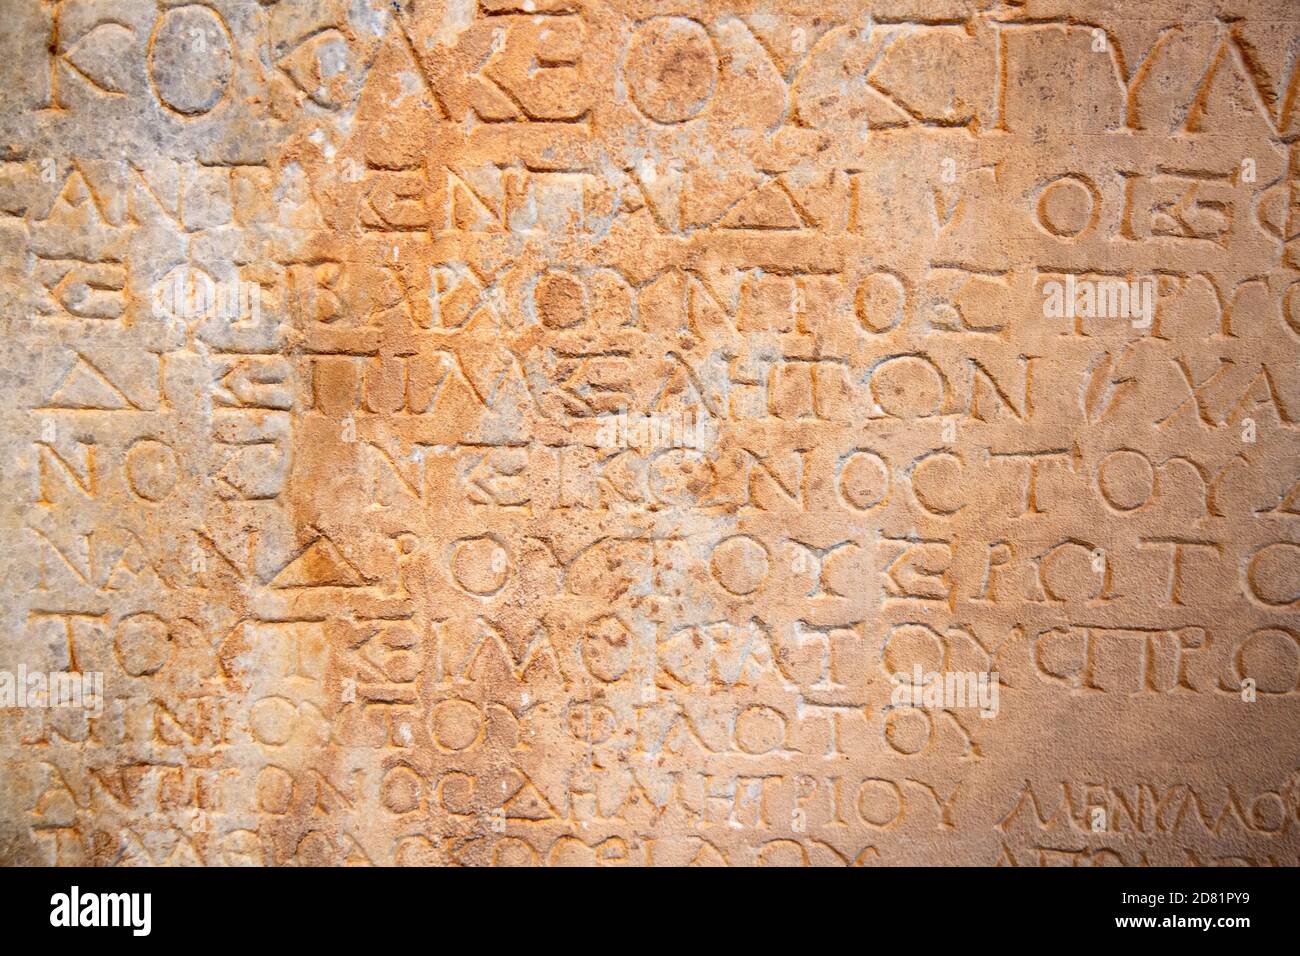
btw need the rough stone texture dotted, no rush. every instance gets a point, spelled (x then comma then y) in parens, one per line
(375, 573)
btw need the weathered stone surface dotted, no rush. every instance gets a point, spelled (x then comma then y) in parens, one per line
(561, 432)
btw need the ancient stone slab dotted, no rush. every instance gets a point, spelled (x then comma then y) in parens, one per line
(561, 432)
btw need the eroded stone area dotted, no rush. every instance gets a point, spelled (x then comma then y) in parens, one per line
(621, 433)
